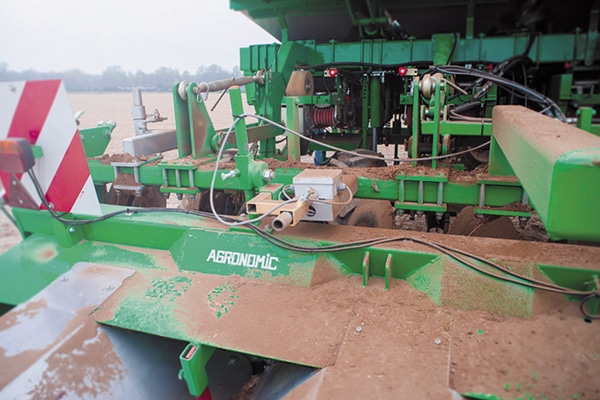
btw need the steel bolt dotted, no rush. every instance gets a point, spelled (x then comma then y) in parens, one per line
(63, 279)
(437, 342)
(108, 288)
(268, 175)
(358, 329)
(71, 229)
(227, 175)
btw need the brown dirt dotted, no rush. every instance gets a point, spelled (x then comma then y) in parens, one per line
(516, 206)
(393, 355)
(86, 347)
(466, 223)
(378, 344)
(394, 352)
(126, 180)
(91, 351)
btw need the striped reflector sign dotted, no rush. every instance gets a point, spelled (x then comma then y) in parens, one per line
(39, 111)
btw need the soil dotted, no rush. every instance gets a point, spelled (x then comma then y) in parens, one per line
(373, 343)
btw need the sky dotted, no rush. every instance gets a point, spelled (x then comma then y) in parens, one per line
(60, 35)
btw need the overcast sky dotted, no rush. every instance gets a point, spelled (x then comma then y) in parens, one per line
(90, 35)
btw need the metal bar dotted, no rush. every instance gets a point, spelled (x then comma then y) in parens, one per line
(558, 166)
(365, 269)
(388, 271)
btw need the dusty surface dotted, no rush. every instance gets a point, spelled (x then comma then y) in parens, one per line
(543, 133)
(374, 343)
(392, 171)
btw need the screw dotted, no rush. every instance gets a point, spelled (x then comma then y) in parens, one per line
(232, 361)
(71, 229)
(63, 279)
(437, 342)
(358, 329)
(108, 288)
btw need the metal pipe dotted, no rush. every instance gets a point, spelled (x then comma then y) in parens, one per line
(282, 221)
(223, 84)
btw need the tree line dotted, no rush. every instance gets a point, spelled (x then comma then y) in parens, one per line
(115, 78)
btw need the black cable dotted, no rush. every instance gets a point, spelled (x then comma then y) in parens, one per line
(583, 306)
(447, 250)
(457, 70)
(440, 247)
(453, 48)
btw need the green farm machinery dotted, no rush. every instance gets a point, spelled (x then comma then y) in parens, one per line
(282, 272)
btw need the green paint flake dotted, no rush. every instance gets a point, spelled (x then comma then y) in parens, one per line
(481, 396)
(518, 386)
(480, 331)
(151, 316)
(575, 396)
(534, 376)
(507, 387)
(221, 298)
(168, 289)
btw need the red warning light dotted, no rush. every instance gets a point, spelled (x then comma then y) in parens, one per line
(332, 72)
(402, 70)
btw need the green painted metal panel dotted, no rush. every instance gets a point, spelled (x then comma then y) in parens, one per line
(96, 139)
(559, 168)
(239, 253)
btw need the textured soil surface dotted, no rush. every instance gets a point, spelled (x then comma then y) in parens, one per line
(376, 344)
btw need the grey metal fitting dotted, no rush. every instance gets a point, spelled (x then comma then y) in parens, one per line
(268, 175)
(227, 175)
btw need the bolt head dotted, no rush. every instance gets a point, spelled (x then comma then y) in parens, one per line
(108, 288)
(437, 342)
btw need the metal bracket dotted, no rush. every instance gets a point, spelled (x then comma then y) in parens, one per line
(193, 362)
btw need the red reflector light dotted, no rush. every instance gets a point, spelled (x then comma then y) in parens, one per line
(402, 71)
(16, 156)
(332, 72)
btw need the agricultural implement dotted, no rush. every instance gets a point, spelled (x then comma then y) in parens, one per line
(280, 278)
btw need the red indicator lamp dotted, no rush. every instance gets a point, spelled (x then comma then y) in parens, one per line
(402, 70)
(332, 72)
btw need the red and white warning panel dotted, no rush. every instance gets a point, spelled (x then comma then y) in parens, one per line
(40, 112)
